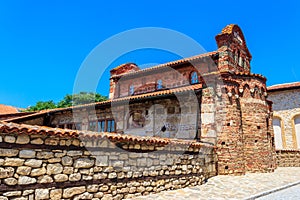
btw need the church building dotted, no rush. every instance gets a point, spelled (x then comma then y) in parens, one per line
(211, 98)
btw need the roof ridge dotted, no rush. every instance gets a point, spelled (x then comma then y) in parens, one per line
(170, 63)
(35, 129)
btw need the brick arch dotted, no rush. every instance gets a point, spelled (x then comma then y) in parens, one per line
(246, 91)
(263, 90)
(256, 93)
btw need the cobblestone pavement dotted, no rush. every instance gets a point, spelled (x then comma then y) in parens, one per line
(232, 187)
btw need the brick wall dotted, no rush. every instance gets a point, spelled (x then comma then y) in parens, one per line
(46, 166)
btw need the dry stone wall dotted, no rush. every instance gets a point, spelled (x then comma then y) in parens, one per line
(39, 166)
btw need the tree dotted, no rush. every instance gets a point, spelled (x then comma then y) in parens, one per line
(42, 105)
(68, 100)
(81, 98)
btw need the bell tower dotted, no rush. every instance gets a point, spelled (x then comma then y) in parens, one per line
(235, 55)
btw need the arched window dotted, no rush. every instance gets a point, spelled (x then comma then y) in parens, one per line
(297, 130)
(131, 90)
(194, 78)
(159, 84)
(277, 133)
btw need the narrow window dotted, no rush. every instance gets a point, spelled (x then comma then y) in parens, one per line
(277, 133)
(92, 126)
(78, 126)
(131, 90)
(70, 126)
(110, 125)
(101, 125)
(297, 130)
(159, 84)
(194, 78)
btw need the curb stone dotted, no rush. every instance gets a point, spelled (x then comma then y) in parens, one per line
(265, 193)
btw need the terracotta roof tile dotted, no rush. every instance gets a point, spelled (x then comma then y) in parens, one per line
(228, 29)
(114, 137)
(184, 60)
(284, 86)
(108, 102)
(5, 109)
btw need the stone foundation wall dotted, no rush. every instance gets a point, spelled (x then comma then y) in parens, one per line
(54, 166)
(288, 158)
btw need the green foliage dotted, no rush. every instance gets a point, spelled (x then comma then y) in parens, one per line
(81, 98)
(68, 100)
(42, 105)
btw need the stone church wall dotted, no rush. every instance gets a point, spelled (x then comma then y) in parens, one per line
(286, 107)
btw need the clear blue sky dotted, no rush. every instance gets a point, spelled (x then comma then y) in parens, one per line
(43, 43)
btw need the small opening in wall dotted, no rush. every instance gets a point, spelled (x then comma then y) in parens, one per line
(226, 167)
(256, 141)
(147, 112)
(223, 143)
(228, 124)
(258, 127)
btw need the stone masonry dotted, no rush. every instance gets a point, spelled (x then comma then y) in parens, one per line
(47, 163)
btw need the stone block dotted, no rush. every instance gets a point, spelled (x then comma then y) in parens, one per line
(45, 179)
(8, 152)
(37, 141)
(26, 180)
(56, 168)
(27, 154)
(9, 139)
(61, 177)
(84, 163)
(23, 139)
(12, 194)
(67, 161)
(10, 181)
(56, 194)
(14, 162)
(74, 153)
(70, 192)
(101, 161)
(33, 163)
(41, 194)
(45, 155)
(38, 172)
(24, 170)
(75, 177)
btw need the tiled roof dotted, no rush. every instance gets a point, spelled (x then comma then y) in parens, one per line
(122, 65)
(169, 64)
(13, 115)
(5, 109)
(108, 102)
(284, 86)
(228, 29)
(114, 137)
